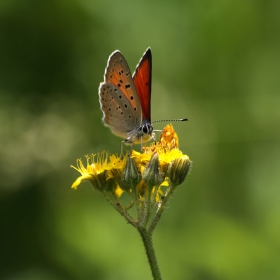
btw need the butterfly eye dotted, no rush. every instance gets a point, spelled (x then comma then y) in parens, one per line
(145, 129)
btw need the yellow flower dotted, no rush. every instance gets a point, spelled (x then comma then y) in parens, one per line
(159, 165)
(167, 149)
(97, 170)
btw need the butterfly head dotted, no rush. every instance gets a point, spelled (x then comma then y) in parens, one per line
(142, 134)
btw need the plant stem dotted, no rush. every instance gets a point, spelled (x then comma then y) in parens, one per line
(150, 252)
(160, 210)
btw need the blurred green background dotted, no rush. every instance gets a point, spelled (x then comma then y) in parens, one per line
(215, 62)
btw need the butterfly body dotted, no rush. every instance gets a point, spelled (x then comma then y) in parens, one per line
(125, 99)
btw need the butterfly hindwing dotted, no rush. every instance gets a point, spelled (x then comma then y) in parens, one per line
(142, 78)
(118, 114)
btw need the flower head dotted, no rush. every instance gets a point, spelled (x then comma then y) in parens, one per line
(146, 177)
(99, 170)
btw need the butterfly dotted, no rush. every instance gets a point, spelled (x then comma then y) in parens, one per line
(125, 99)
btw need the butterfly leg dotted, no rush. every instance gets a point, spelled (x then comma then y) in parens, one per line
(125, 142)
(154, 137)
(122, 144)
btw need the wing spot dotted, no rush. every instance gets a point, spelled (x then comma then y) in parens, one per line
(126, 73)
(131, 97)
(129, 116)
(135, 109)
(115, 90)
(127, 86)
(121, 113)
(120, 97)
(125, 105)
(119, 85)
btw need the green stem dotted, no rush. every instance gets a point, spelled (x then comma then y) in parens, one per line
(160, 210)
(146, 211)
(150, 252)
(120, 209)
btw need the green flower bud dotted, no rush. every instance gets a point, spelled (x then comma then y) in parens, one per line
(178, 170)
(131, 175)
(151, 174)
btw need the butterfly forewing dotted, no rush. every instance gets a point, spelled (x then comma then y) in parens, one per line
(118, 74)
(142, 78)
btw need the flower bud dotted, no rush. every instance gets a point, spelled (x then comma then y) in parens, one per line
(131, 175)
(178, 170)
(151, 175)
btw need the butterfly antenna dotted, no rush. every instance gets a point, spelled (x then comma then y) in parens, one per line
(174, 120)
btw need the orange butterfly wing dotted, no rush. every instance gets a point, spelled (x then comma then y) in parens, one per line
(118, 74)
(142, 79)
